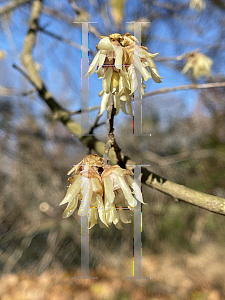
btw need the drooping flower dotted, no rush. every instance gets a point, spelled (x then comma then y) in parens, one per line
(198, 5)
(103, 192)
(199, 64)
(120, 63)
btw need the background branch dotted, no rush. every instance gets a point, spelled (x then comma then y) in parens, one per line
(178, 192)
(186, 87)
(11, 6)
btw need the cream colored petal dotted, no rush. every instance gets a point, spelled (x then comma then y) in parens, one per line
(141, 69)
(153, 70)
(144, 54)
(104, 103)
(108, 191)
(93, 217)
(74, 169)
(102, 58)
(101, 93)
(114, 216)
(106, 81)
(133, 80)
(119, 57)
(187, 66)
(93, 65)
(72, 191)
(125, 75)
(105, 44)
(129, 106)
(84, 196)
(123, 83)
(137, 191)
(117, 103)
(100, 72)
(126, 190)
(96, 186)
(70, 207)
(123, 107)
(102, 215)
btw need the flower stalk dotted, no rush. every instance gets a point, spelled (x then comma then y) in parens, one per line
(111, 112)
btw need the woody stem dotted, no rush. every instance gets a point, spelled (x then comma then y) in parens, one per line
(111, 111)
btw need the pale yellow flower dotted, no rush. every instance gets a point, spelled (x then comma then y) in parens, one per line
(198, 5)
(199, 64)
(120, 63)
(108, 193)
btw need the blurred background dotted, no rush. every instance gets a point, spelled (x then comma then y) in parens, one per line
(183, 246)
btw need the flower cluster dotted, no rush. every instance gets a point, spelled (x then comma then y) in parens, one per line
(199, 63)
(198, 5)
(103, 191)
(120, 63)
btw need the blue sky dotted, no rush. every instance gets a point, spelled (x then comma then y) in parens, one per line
(60, 63)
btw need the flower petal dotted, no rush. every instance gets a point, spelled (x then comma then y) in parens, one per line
(106, 81)
(129, 106)
(137, 191)
(100, 72)
(72, 191)
(105, 44)
(70, 207)
(119, 57)
(117, 103)
(105, 99)
(123, 107)
(141, 69)
(93, 217)
(93, 65)
(102, 58)
(153, 70)
(108, 191)
(84, 196)
(126, 190)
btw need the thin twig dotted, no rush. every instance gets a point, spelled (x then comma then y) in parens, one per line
(55, 13)
(178, 58)
(76, 112)
(64, 40)
(95, 124)
(119, 154)
(191, 86)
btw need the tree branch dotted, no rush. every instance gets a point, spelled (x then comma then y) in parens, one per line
(186, 87)
(52, 12)
(11, 6)
(178, 192)
(176, 158)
